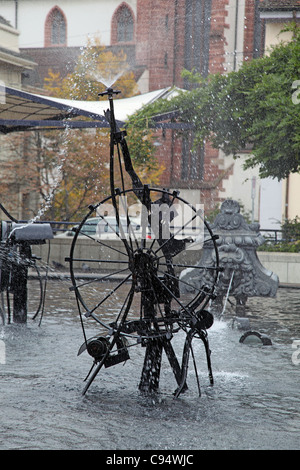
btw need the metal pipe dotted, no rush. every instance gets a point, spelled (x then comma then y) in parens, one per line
(235, 33)
(16, 13)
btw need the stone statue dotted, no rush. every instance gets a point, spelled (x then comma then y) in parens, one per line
(242, 274)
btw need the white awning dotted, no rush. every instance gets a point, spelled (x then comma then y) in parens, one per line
(23, 110)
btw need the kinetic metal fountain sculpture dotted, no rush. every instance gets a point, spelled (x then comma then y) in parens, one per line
(243, 275)
(146, 306)
(16, 258)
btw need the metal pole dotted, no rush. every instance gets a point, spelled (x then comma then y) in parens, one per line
(19, 285)
(253, 196)
(16, 13)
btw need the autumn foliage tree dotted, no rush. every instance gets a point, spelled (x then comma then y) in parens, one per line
(28, 171)
(96, 69)
(84, 171)
(69, 169)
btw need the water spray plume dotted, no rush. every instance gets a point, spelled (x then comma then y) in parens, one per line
(108, 76)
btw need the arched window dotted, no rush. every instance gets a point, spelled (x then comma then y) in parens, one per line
(55, 28)
(122, 25)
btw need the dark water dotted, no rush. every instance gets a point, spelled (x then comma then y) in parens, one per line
(254, 403)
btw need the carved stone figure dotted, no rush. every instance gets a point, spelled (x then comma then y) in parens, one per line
(242, 274)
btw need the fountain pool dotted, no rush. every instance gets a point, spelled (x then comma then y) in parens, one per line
(254, 403)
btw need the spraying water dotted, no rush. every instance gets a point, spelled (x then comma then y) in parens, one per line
(254, 403)
(109, 76)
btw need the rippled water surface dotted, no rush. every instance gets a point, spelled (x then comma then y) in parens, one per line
(254, 403)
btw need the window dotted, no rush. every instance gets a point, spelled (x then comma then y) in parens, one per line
(58, 28)
(192, 159)
(125, 25)
(122, 25)
(55, 28)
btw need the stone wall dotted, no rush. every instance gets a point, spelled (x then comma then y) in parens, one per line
(60, 249)
(285, 265)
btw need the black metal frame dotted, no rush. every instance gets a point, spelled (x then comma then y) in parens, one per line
(156, 326)
(16, 259)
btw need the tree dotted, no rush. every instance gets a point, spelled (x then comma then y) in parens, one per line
(256, 107)
(96, 69)
(60, 172)
(83, 160)
(28, 169)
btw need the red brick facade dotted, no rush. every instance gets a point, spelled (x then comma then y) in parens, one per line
(192, 34)
(59, 39)
(155, 40)
(169, 36)
(249, 30)
(218, 24)
(177, 34)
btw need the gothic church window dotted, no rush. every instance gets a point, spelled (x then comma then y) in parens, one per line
(122, 25)
(55, 28)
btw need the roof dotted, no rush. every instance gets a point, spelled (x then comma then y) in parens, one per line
(279, 5)
(15, 58)
(20, 110)
(4, 21)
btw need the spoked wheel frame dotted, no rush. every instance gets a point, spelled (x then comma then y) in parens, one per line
(145, 304)
(144, 266)
(145, 300)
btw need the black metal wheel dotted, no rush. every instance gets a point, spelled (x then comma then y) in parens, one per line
(126, 260)
(146, 268)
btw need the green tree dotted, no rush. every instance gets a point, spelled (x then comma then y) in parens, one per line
(256, 107)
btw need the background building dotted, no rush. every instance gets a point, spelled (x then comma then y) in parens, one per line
(279, 199)
(13, 69)
(13, 64)
(160, 40)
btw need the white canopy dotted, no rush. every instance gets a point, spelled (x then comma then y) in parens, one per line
(23, 110)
